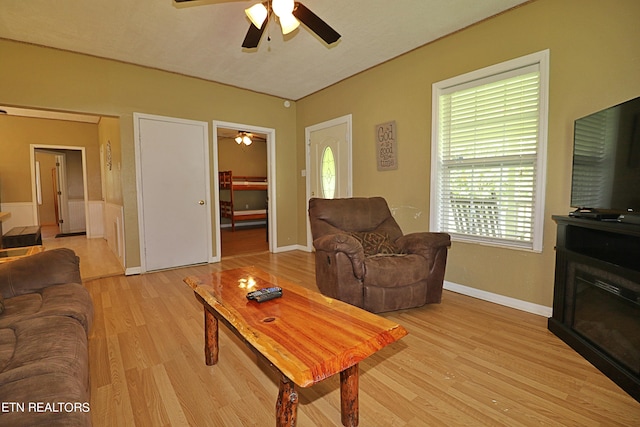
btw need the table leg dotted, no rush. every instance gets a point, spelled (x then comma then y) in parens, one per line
(210, 338)
(349, 396)
(287, 404)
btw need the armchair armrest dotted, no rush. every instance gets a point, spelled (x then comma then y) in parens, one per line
(346, 244)
(38, 271)
(426, 244)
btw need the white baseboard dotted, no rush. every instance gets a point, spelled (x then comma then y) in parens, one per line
(290, 248)
(132, 271)
(540, 310)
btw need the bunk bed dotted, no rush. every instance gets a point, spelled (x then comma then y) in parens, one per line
(228, 181)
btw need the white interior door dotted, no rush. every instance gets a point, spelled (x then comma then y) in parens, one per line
(173, 192)
(329, 173)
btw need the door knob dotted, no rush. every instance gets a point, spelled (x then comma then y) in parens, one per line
(201, 202)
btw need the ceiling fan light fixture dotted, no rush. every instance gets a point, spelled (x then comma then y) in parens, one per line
(282, 8)
(257, 14)
(243, 138)
(288, 23)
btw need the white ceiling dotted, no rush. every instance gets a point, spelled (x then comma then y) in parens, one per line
(203, 38)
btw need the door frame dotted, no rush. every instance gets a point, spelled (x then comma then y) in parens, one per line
(137, 138)
(272, 215)
(347, 119)
(85, 187)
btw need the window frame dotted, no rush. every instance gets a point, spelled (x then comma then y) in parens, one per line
(477, 78)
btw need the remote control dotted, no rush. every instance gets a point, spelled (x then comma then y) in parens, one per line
(265, 294)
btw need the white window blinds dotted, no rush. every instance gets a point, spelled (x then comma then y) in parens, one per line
(488, 144)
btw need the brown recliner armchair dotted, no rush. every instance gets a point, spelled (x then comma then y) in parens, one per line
(363, 258)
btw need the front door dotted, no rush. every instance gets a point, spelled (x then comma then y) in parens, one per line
(329, 149)
(329, 160)
(174, 198)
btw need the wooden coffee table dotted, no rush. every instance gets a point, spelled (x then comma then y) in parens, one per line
(304, 335)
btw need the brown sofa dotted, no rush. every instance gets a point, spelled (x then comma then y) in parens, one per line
(44, 361)
(363, 258)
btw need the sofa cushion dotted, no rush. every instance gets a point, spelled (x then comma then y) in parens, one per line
(36, 272)
(1, 304)
(384, 270)
(374, 243)
(53, 344)
(71, 300)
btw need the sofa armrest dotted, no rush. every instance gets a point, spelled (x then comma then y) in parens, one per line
(426, 244)
(346, 244)
(38, 271)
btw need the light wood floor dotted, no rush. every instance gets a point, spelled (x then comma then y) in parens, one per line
(96, 259)
(245, 240)
(465, 362)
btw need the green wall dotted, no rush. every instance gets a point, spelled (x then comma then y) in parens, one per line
(594, 63)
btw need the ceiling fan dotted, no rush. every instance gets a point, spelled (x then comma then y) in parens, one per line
(290, 14)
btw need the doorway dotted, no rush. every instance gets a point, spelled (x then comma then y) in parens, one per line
(250, 200)
(329, 171)
(59, 186)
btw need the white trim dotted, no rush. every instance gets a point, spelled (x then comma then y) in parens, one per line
(272, 207)
(132, 271)
(529, 307)
(292, 248)
(348, 120)
(542, 60)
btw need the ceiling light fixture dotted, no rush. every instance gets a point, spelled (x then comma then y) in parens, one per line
(259, 14)
(243, 138)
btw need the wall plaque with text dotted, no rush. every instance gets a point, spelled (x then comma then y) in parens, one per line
(387, 146)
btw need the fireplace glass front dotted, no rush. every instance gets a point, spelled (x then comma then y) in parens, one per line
(607, 313)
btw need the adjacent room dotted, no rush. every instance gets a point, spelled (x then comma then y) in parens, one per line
(323, 213)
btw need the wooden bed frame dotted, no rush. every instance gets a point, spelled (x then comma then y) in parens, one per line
(240, 183)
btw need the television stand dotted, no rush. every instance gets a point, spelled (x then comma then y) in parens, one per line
(596, 300)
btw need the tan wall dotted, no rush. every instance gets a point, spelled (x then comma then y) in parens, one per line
(594, 63)
(82, 83)
(16, 136)
(109, 134)
(243, 161)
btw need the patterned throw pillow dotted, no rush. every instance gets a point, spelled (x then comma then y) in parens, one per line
(375, 243)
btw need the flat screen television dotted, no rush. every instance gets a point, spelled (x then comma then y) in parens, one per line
(606, 163)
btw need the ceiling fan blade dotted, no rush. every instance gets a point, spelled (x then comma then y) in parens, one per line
(315, 24)
(253, 36)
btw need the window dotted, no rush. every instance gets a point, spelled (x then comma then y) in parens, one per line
(328, 174)
(488, 154)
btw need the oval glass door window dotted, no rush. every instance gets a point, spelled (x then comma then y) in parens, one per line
(328, 173)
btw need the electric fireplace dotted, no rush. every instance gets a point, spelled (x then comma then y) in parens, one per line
(596, 306)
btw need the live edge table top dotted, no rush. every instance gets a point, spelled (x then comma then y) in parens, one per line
(305, 335)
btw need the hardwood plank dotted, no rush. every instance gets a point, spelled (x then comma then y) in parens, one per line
(464, 362)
